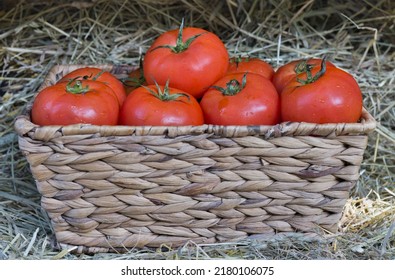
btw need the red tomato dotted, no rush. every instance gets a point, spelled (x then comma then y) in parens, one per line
(285, 73)
(241, 99)
(190, 58)
(82, 101)
(92, 73)
(160, 106)
(251, 65)
(334, 97)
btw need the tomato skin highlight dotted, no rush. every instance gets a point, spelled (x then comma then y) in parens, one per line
(335, 97)
(105, 77)
(142, 108)
(192, 70)
(251, 65)
(256, 104)
(54, 105)
(286, 72)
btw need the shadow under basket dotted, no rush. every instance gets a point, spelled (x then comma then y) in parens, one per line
(113, 188)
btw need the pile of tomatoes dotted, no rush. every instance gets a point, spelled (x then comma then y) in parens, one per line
(188, 78)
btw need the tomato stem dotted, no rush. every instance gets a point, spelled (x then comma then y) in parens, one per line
(98, 75)
(238, 59)
(77, 87)
(136, 82)
(307, 69)
(164, 95)
(180, 45)
(233, 87)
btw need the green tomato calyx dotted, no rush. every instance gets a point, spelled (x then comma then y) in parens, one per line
(164, 94)
(302, 67)
(74, 86)
(307, 69)
(239, 59)
(180, 45)
(136, 82)
(94, 78)
(233, 87)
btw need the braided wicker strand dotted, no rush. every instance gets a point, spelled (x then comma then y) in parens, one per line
(113, 188)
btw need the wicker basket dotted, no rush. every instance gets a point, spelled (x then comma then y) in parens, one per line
(112, 188)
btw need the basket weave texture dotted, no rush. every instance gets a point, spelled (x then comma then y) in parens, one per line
(112, 188)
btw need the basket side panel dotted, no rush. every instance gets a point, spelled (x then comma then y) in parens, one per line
(128, 191)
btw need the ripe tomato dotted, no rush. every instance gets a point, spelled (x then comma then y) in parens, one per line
(285, 73)
(93, 73)
(251, 65)
(330, 96)
(241, 99)
(79, 101)
(156, 105)
(190, 58)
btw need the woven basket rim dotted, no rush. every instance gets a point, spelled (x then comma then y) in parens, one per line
(23, 123)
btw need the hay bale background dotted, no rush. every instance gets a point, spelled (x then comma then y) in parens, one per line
(356, 35)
